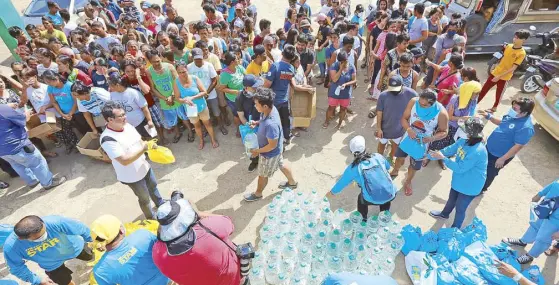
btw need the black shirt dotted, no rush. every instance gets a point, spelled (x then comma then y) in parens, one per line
(307, 57)
(322, 35)
(246, 105)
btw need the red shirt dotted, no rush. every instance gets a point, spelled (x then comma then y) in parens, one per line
(133, 83)
(257, 40)
(208, 262)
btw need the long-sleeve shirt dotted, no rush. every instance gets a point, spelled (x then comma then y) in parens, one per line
(469, 169)
(551, 191)
(65, 240)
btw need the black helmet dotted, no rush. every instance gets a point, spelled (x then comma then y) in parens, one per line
(359, 8)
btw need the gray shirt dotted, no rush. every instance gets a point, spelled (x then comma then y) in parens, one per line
(443, 42)
(132, 101)
(392, 108)
(418, 26)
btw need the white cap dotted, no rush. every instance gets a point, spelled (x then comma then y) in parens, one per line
(357, 144)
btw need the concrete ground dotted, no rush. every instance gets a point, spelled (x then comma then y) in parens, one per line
(216, 179)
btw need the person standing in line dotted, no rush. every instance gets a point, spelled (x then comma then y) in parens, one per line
(48, 241)
(513, 56)
(419, 29)
(342, 76)
(514, 131)
(270, 144)
(125, 147)
(246, 109)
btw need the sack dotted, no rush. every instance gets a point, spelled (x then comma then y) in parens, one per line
(413, 148)
(476, 231)
(444, 270)
(5, 231)
(546, 207)
(480, 254)
(412, 239)
(534, 274)
(377, 180)
(419, 267)
(506, 254)
(467, 273)
(429, 242)
(159, 154)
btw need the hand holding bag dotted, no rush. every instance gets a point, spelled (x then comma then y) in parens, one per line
(415, 149)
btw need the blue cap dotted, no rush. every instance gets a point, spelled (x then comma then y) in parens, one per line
(146, 5)
(251, 80)
(395, 83)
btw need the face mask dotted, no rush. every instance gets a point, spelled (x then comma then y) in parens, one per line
(426, 113)
(305, 31)
(451, 34)
(512, 113)
(42, 238)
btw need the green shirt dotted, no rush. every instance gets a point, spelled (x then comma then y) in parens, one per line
(232, 81)
(163, 82)
(185, 57)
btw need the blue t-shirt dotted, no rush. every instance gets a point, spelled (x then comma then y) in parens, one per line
(330, 49)
(280, 74)
(63, 97)
(13, 136)
(192, 91)
(286, 26)
(270, 128)
(416, 28)
(358, 20)
(99, 80)
(344, 78)
(130, 263)
(511, 131)
(56, 18)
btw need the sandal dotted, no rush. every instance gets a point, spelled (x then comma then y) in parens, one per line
(287, 185)
(295, 133)
(252, 197)
(425, 163)
(514, 241)
(442, 165)
(408, 189)
(551, 251)
(372, 115)
(325, 125)
(4, 185)
(191, 136)
(224, 131)
(366, 80)
(177, 137)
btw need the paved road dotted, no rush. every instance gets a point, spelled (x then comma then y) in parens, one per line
(215, 179)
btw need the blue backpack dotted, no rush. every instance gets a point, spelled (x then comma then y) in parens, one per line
(377, 181)
(546, 207)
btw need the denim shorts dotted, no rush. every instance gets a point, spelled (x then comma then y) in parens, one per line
(233, 108)
(171, 117)
(416, 164)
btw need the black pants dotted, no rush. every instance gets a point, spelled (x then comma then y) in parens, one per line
(492, 171)
(63, 275)
(363, 206)
(7, 167)
(283, 110)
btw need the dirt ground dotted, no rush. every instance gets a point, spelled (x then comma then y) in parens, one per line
(216, 179)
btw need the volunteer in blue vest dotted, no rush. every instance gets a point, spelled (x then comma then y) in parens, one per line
(469, 171)
(541, 231)
(514, 130)
(370, 171)
(127, 259)
(49, 241)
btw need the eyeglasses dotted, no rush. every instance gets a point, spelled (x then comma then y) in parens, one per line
(120, 116)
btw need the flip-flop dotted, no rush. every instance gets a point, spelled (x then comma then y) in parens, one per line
(191, 137)
(251, 197)
(287, 185)
(425, 163)
(408, 190)
(371, 115)
(215, 144)
(177, 137)
(224, 131)
(4, 185)
(551, 251)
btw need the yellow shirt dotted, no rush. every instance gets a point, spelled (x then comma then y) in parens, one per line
(258, 70)
(55, 34)
(190, 44)
(214, 60)
(510, 58)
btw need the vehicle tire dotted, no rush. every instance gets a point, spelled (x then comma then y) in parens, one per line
(475, 27)
(491, 65)
(529, 84)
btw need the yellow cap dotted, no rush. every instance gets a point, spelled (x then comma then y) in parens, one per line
(105, 227)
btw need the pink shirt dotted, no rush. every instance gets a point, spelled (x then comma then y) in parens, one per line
(381, 40)
(446, 83)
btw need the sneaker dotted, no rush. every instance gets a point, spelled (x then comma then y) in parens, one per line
(437, 215)
(253, 165)
(514, 241)
(56, 182)
(525, 258)
(4, 185)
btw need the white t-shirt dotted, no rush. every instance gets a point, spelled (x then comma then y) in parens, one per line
(39, 98)
(98, 98)
(325, 9)
(276, 54)
(356, 41)
(106, 41)
(132, 102)
(206, 73)
(41, 68)
(159, 20)
(218, 15)
(117, 144)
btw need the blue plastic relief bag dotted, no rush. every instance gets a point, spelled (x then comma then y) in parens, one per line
(445, 271)
(467, 272)
(476, 231)
(429, 242)
(412, 238)
(446, 233)
(534, 274)
(480, 254)
(506, 254)
(452, 249)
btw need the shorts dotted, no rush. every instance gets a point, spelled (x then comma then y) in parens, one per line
(268, 166)
(233, 108)
(213, 105)
(172, 116)
(156, 117)
(416, 164)
(333, 102)
(141, 129)
(385, 141)
(221, 99)
(63, 275)
(204, 116)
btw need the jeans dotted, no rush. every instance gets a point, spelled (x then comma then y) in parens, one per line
(31, 167)
(322, 67)
(460, 202)
(144, 190)
(539, 233)
(283, 110)
(363, 206)
(492, 171)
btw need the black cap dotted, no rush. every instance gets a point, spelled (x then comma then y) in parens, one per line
(417, 52)
(395, 83)
(197, 53)
(359, 8)
(259, 50)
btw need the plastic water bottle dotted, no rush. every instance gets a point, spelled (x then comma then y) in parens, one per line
(265, 232)
(376, 253)
(326, 214)
(287, 194)
(291, 204)
(259, 260)
(314, 197)
(257, 277)
(350, 263)
(318, 250)
(272, 272)
(335, 236)
(386, 267)
(284, 214)
(273, 256)
(326, 226)
(264, 245)
(289, 252)
(324, 203)
(251, 142)
(356, 217)
(291, 237)
(384, 218)
(372, 225)
(361, 227)
(297, 225)
(373, 241)
(314, 279)
(384, 234)
(283, 278)
(296, 213)
(305, 255)
(310, 216)
(319, 266)
(278, 201)
(303, 269)
(392, 250)
(339, 216)
(298, 280)
(347, 227)
(271, 221)
(347, 246)
(300, 197)
(321, 237)
(306, 205)
(307, 240)
(284, 226)
(333, 249)
(335, 264)
(360, 239)
(398, 240)
(395, 227)
(287, 266)
(360, 252)
(368, 265)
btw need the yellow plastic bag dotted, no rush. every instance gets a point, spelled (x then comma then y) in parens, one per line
(150, 225)
(159, 154)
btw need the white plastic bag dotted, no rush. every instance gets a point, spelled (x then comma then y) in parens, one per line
(533, 216)
(419, 268)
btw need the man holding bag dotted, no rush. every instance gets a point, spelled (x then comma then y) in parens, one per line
(125, 147)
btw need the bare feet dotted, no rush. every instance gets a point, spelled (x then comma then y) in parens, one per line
(215, 144)
(201, 145)
(408, 189)
(325, 125)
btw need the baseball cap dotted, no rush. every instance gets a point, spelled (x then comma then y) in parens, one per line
(146, 5)
(251, 80)
(305, 23)
(359, 8)
(105, 227)
(357, 144)
(197, 53)
(395, 83)
(417, 52)
(259, 50)
(321, 17)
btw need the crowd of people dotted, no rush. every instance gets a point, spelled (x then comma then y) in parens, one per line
(130, 73)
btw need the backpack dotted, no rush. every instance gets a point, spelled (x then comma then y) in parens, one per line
(376, 179)
(545, 208)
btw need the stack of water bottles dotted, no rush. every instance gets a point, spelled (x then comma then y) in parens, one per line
(302, 241)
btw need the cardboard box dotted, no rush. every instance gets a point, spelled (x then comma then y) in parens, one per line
(303, 108)
(37, 129)
(91, 146)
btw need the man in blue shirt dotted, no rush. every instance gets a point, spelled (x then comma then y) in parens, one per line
(128, 259)
(113, 7)
(270, 144)
(17, 149)
(54, 15)
(48, 241)
(280, 77)
(513, 132)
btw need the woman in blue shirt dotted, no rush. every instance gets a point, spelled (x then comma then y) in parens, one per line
(342, 77)
(354, 172)
(468, 171)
